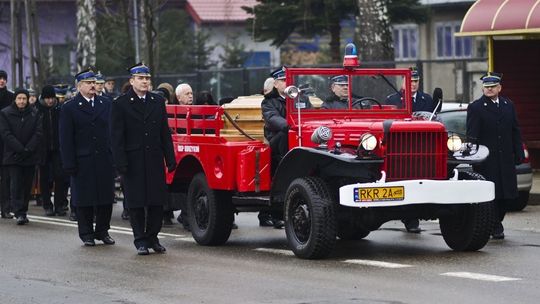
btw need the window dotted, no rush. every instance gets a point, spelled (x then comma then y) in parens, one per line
(58, 58)
(450, 46)
(405, 41)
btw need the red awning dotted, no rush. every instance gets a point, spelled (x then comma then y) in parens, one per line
(501, 17)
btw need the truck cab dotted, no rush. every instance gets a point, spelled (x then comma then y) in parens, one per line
(349, 168)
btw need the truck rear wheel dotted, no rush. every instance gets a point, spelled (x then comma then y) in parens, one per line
(210, 213)
(470, 227)
(310, 221)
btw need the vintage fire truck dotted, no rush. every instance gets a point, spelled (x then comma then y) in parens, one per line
(347, 171)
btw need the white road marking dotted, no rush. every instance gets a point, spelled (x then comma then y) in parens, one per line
(114, 229)
(377, 263)
(479, 276)
(276, 251)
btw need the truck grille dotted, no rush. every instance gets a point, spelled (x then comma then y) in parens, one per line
(416, 155)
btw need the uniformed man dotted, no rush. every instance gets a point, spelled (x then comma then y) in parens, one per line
(339, 98)
(420, 100)
(61, 91)
(110, 87)
(492, 121)
(276, 128)
(141, 141)
(86, 157)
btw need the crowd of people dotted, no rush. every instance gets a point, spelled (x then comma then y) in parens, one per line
(68, 137)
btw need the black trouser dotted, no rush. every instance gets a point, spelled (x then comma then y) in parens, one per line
(85, 221)
(21, 178)
(5, 205)
(279, 145)
(52, 171)
(146, 224)
(500, 209)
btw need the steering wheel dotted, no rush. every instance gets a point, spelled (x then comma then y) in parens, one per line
(358, 102)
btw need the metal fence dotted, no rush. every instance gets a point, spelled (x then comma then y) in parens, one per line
(459, 78)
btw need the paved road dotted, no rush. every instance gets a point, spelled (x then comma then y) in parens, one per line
(44, 262)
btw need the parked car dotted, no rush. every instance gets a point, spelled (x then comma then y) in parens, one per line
(454, 116)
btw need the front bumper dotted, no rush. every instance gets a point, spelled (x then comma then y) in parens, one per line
(413, 192)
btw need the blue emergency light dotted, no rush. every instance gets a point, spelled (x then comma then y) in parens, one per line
(351, 56)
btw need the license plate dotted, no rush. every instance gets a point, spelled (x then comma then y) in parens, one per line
(371, 194)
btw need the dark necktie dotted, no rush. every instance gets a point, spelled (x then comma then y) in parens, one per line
(91, 101)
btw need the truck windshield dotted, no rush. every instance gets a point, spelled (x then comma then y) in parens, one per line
(329, 93)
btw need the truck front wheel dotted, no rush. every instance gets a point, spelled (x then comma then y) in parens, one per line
(310, 221)
(210, 213)
(469, 228)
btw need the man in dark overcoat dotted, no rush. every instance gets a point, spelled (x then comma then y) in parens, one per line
(141, 145)
(492, 121)
(86, 157)
(50, 167)
(6, 98)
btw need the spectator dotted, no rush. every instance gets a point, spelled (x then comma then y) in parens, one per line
(21, 130)
(492, 121)
(50, 169)
(6, 98)
(184, 94)
(205, 98)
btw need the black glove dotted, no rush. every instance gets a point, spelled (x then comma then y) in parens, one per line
(26, 153)
(121, 170)
(171, 167)
(71, 171)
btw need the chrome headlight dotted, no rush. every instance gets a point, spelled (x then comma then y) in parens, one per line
(454, 143)
(292, 92)
(368, 141)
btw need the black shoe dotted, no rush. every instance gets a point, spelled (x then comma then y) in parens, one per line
(498, 231)
(7, 215)
(89, 243)
(73, 216)
(279, 224)
(107, 240)
(234, 226)
(412, 225)
(158, 248)
(143, 251)
(266, 223)
(167, 221)
(125, 215)
(60, 212)
(49, 212)
(21, 220)
(179, 219)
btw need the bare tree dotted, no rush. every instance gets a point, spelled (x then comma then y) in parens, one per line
(86, 33)
(374, 31)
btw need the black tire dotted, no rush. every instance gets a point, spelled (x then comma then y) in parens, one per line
(210, 213)
(520, 202)
(310, 221)
(470, 227)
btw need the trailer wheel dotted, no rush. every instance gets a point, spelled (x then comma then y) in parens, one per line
(310, 222)
(210, 213)
(470, 227)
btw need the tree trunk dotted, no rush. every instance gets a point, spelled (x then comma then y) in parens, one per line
(86, 33)
(374, 32)
(335, 42)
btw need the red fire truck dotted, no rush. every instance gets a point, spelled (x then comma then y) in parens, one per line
(347, 171)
